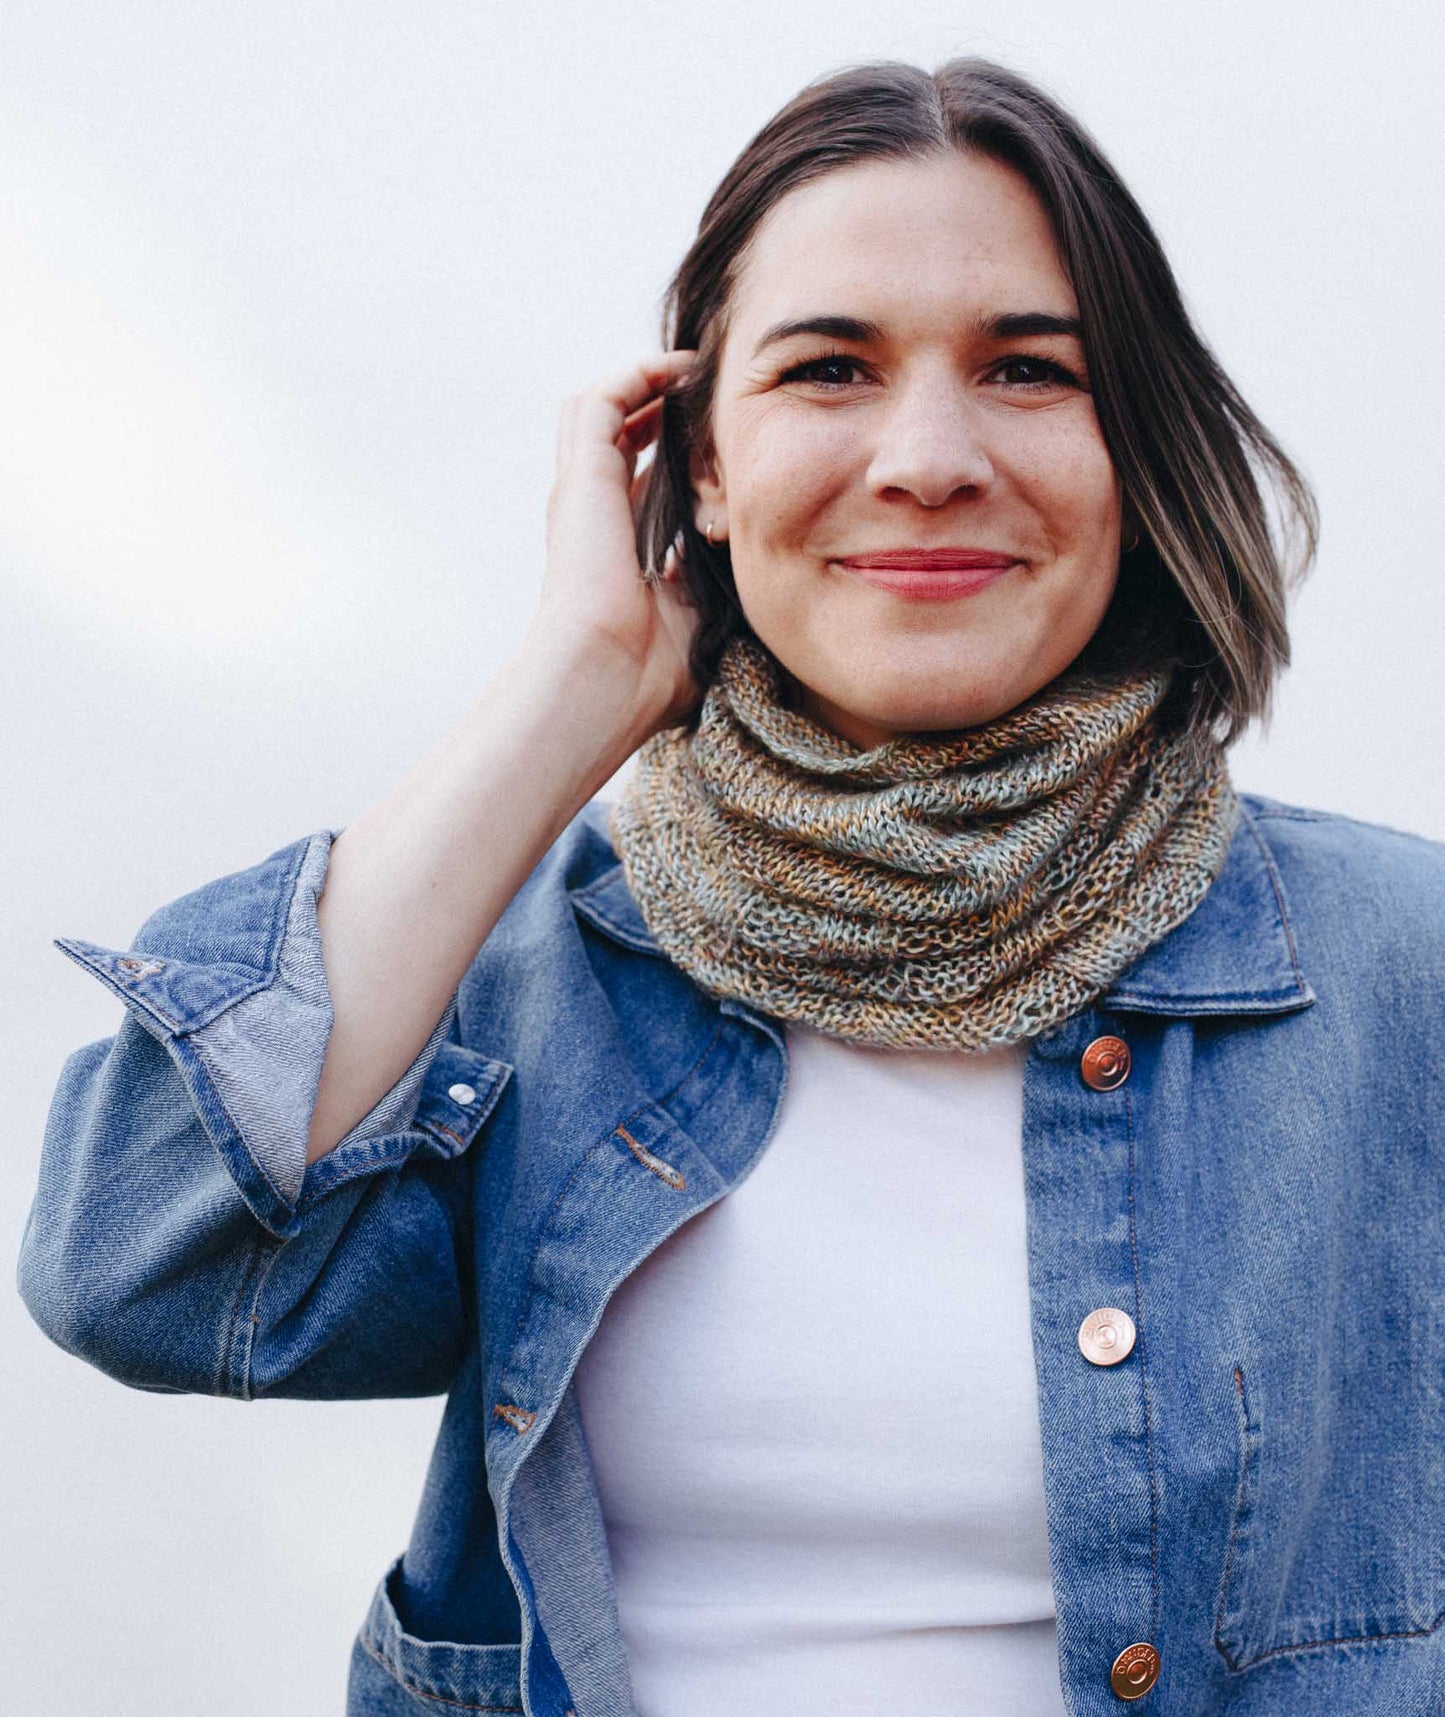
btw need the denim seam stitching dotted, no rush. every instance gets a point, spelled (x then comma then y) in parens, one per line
(1322, 1644)
(385, 1154)
(265, 971)
(1241, 1423)
(281, 918)
(425, 1692)
(229, 1371)
(274, 1251)
(1130, 1001)
(1241, 1408)
(693, 1071)
(1144, 1382)
(582, 1162)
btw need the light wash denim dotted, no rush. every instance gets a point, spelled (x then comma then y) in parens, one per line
(1258, 1489)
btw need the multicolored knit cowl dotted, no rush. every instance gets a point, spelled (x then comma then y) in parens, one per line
(948, 891)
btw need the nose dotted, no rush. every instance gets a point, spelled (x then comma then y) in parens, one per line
(931, 443)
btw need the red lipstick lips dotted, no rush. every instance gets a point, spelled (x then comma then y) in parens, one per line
(929, 575)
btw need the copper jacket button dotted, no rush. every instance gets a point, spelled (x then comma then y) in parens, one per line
(1106, 1336)
(1135, 1671)
(1105, 1063)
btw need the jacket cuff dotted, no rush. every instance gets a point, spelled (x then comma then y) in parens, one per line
(231, 980)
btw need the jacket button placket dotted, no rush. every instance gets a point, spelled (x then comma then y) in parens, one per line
(1080, 1176)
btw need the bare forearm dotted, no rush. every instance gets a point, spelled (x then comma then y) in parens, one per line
(416, 884)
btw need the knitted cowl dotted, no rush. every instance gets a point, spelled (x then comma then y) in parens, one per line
(940, 891)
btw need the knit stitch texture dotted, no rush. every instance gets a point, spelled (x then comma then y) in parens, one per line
(940, 891)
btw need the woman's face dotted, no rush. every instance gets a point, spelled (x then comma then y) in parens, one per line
(903, 372)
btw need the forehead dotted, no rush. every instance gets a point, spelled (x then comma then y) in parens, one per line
(962, 231)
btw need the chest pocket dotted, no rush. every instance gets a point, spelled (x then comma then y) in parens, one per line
(395, 1674)
(1336, 1537)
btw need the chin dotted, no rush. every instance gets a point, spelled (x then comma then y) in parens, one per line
(947, 695)
(908, 708)
(873, 691)
(948, 718)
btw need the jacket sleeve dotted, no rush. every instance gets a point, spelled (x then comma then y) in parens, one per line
(179, 1241)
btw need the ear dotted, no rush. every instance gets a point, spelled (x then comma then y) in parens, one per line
(709, 497)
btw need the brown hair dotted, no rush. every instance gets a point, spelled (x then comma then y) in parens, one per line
(1204, 591)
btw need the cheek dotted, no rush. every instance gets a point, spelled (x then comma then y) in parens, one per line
(1072, 479)
(783, 468)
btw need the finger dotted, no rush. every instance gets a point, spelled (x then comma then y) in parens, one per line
(631, 388)
(638, 460)
(639, 454)
(602, 410)
(641, 426)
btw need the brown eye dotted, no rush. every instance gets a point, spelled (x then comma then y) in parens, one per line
(1034, 374)
(824, 369)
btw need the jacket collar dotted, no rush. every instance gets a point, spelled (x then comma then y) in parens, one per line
(1234, 954)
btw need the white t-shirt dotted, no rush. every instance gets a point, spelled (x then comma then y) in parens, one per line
(813, 1415)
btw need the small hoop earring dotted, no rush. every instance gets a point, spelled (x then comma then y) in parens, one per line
(708, 533)
(1132, 543)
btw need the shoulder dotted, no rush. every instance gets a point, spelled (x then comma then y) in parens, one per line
(1363, 885)
(1298, 835)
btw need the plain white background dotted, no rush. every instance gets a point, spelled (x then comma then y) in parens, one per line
(290, 299)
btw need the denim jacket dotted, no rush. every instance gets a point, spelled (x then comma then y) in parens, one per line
(1257, 1490)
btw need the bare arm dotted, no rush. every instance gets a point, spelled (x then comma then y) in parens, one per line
(417, 883)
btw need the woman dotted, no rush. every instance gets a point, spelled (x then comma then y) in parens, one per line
(928, 1202)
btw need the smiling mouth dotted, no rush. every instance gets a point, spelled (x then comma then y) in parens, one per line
(930, 559)
(929, 575)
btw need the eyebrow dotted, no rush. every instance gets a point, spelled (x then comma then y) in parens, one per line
(1017, 325)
